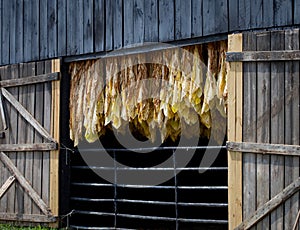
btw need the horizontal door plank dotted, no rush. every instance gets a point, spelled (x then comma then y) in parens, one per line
(250, 56)
(30, 80)
(27, 217)
(28, 147)
(262, 148)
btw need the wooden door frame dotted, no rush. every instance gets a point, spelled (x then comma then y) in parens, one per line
(234, 133)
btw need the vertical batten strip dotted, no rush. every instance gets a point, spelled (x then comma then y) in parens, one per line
(235, 100)
(54, 155)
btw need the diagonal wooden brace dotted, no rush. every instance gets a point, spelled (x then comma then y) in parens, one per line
(25, 184)
(6, 185)
(26, 115)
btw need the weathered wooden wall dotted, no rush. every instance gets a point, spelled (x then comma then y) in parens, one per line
(271, 115)
(36, 30)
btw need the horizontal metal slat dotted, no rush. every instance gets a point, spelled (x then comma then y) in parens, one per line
(204, 221)
(187, 148)
(151, 202)
(151, 186)
(151, 168)
(97, 228)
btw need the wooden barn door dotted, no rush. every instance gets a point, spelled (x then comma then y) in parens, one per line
(29, 135)
(264, 166)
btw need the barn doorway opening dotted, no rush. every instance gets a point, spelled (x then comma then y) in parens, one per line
(188, 98)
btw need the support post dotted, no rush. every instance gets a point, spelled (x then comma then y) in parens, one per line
(235, 101)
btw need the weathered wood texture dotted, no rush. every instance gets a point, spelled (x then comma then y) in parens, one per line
(269, 206)
(27, 141)
(37, 30)
(235, 119)
(262, 148)
(271, 116)
(287, 55)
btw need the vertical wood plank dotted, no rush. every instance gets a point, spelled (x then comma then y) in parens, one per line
(52, 28)
(43, 46)
(34, 30)
(197, 19)
(256, 14)
(244, 14)
(209, 23)
(38, 156)
(235, 134)
(215, 17)
(249, 128)
(282, 12)
(27, 30)
(1, 33)
(29, 170)
(151, 21)
(291, 124)
(21, 139)
(128, 23)
(277, 127)
(221, 17)
(12, 31)
(12, 134)
(99, 25)
(263, 127)
(71, 27)
(79, 26)
(183, 19)
(5, 31)
(297, 11)
(109, 9)
(54, 155)
(138, 21)
(4, 174)
(88, 27)
(61, 27)
(19, 31)
(268, 14)
(234, 12)
(118, 24)
(166, 20)
(75, 27)
(47, 125)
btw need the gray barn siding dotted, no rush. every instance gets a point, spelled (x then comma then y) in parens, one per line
(35, 30)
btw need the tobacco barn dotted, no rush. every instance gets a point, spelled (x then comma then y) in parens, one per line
(150, 114)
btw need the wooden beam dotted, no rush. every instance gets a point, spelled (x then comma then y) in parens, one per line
(264, 148)
(235, 95)
(28, 147)
(26, 217)
(30, 80)
(268, 207)
(26, 115)
(54, 155)
(25, 184)
(6, 185)
(282, 55)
